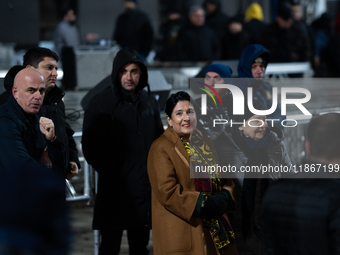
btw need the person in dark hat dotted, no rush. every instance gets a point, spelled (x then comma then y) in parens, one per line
(8, 83)
(215, 74)
(133, 29)
(285, 39)
(120, 124)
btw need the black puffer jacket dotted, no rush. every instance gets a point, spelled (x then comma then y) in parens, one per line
(117, 135)
(54, 108)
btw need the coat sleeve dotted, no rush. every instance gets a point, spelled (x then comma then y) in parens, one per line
(166, 187)
(14, 155)
(97, 140)
(73, 151)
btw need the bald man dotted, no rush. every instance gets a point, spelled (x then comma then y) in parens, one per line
(25, 140)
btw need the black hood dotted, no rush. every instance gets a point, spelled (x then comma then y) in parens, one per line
(123, 57)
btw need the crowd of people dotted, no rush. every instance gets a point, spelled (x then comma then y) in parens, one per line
(147, 175)
(206, 33)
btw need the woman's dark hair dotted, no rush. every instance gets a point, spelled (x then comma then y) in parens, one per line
(173, 100)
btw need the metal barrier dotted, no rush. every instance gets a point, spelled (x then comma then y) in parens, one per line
(87, 195)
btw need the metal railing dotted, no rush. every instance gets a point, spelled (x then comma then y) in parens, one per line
(87, 195)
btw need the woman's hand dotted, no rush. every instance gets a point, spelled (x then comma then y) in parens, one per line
(215, 205)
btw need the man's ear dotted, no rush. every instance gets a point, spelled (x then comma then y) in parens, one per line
(307, 147)
(15, 92)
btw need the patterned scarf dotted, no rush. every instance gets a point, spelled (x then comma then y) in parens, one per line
(201, 155)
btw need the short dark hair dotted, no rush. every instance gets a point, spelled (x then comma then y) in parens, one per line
(173, 100)
(324, 136)
(35, 55)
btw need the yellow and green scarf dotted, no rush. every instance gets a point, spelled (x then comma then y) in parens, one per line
(200, 154)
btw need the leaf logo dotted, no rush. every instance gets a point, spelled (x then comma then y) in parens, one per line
(209, 93)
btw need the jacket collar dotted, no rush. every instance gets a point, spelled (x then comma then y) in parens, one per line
(17, 108)
(174, 138)
(30, 120)
(55, 94)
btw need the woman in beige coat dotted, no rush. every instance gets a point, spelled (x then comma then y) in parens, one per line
(188, 212)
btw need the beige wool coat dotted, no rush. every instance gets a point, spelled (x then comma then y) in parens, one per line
(174, 229)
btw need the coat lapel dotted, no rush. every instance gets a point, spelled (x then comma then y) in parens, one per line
(179, 147)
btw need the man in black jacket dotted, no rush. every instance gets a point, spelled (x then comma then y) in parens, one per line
(196, 41)
(302, 215)
(46, 62)
(120, 124)
(216, 19)
(23, 144)
(34, 217)
(133, 29)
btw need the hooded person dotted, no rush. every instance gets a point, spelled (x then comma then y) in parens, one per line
(252, 143)
(254, 22)
(251, 69)
(215, 19)
(120, 124)
(8, 83)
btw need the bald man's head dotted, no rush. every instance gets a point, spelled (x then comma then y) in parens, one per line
(29, 90)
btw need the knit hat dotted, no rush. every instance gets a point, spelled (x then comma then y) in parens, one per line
(9, 78)
(223, 70)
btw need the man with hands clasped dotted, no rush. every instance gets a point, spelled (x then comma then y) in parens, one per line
(26, 141)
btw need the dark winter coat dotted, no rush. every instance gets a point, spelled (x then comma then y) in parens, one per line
(169, 34)
(254, 29)
(4, 96)
(286, 45)
(22, 144)
(34, 218)
(54, 108)
(117, 135)
(230, 153)
(333, 55)
(302, 216)
(233, 44)
(197, 44)
(262, 91)
(217, 21)
(133, 30)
